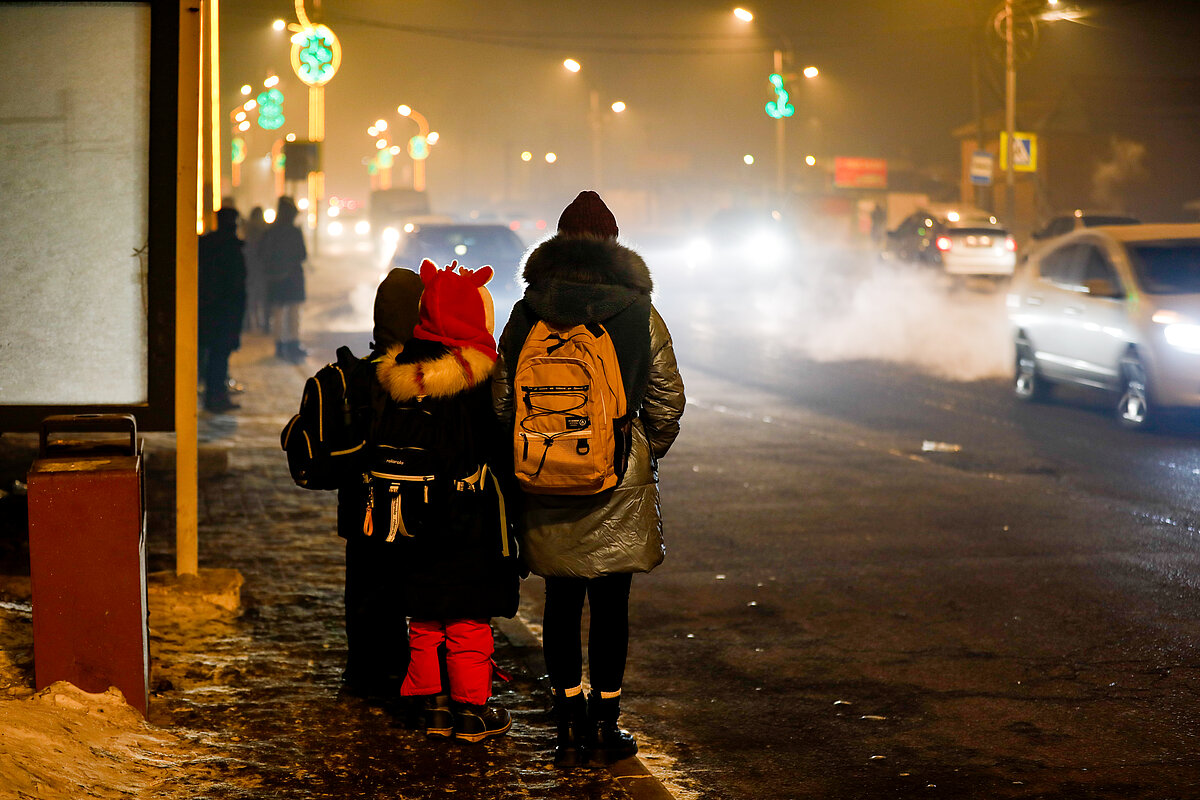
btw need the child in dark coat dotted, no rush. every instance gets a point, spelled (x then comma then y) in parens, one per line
(434, 496)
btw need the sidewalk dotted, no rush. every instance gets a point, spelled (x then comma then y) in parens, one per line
(261, 690)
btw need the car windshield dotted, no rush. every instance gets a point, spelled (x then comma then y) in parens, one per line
(1167, 267)
(489, 242)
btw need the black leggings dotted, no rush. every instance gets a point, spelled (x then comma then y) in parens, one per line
(608, 634)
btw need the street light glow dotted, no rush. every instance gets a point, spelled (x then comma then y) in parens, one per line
(381, 124)
(433, 137)
(618, 107)
(271, 81)
(743, 15)
(394, 149)
(810, 72)
(250, 105)
(572, 65)
(526, 156)
(278, 24)
(291, 137)
(403, 111)
(810, 160)
(372, 131)
(747, 159)
(381, 144)
(246, 89)
(551, 158)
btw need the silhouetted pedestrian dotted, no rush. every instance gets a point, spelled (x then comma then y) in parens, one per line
(222, 304)
(284, 253)
(258, 317)
(376, 624)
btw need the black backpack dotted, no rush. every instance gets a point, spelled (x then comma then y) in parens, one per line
(325, 441)
(425, 474)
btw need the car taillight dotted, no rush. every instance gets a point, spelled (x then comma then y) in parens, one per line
(1010, 244)
(943, 243)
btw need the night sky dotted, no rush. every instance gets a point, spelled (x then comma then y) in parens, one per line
(896, 78)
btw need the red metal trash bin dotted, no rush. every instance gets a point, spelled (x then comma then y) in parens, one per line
(87, 557)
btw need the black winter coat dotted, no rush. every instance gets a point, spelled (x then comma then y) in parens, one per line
(283, 251)
(222, 289)
(459, 558)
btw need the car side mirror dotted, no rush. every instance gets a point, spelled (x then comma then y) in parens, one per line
(1102, 287)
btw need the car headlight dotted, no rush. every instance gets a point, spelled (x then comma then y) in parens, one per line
(1179, 331)
(390, 235)
(766, 247)
(335, 228)
(362, 227)
(698, 251)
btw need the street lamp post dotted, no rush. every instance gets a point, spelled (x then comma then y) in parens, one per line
(779, 108)
(596, 126)
(418, 146)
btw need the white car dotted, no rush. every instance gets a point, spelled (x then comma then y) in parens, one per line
(963, 242)
(1116, 308)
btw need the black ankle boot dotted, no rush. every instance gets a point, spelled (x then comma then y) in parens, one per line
(607, 742)
(439, 718)
(570, 749)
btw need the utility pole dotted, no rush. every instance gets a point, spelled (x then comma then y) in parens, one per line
(1010, 115)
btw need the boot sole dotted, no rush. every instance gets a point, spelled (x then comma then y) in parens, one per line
(479, 737)
(439, 733)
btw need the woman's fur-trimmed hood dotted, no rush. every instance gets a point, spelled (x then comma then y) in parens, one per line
(578, 279)
(586, 259)
(453, 371)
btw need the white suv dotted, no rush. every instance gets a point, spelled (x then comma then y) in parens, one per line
(1116, 308)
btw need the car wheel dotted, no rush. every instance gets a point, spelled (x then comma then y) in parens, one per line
(1028, 383)
(1134, 409)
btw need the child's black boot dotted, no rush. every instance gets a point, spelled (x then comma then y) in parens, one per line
(608, 743)
(571, 747)
(439, 718)
(474, 723)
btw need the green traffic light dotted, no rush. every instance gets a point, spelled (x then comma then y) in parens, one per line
(270, 110)
(779, 107)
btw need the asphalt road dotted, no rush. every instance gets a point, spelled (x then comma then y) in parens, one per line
(885, 578)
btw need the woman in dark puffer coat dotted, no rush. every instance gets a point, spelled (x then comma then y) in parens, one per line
(590, 546)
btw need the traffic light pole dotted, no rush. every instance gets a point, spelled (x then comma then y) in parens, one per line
(780, 144)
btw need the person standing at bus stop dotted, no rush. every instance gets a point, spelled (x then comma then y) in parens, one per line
(589, 546)
(284, 252)
(221, 305)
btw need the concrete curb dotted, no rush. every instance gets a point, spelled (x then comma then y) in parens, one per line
(631, 774)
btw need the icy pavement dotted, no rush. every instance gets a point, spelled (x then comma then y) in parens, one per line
(253, 698)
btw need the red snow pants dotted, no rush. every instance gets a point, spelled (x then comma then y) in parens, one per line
(469, 649)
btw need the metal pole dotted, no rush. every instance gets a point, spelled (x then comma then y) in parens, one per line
(186, 320)
(594, 120)
(1010, 116)
(780, 149)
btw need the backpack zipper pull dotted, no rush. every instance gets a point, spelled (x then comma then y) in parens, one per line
(396, 524)
(368, 521)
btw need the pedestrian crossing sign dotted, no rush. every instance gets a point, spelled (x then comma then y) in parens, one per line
(1025, 151)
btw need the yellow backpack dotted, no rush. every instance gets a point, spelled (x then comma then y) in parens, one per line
(572, 431)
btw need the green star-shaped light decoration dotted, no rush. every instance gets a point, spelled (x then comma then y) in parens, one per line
(316, 55)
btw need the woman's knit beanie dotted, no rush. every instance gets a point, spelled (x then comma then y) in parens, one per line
(588, 216)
